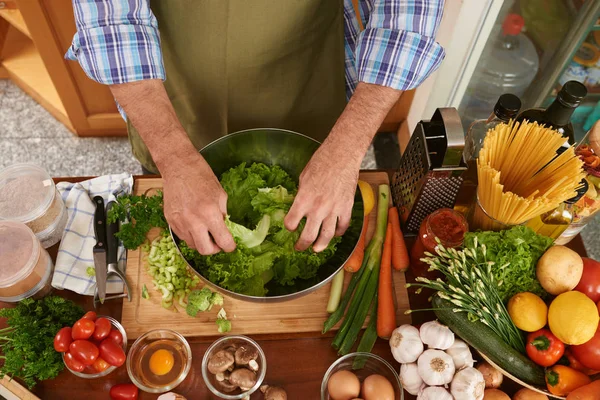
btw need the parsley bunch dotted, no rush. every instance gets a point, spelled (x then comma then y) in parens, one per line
(138, 214)
(27, 343)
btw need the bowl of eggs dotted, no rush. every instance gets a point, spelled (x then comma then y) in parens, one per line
(361, 376)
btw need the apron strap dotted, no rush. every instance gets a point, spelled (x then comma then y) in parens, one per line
(357, 12)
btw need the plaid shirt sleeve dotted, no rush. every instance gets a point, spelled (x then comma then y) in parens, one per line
(117, 41)
(398, 48)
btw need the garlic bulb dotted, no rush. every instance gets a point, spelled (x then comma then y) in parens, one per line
(436, 335)
(461, 354)
(435, 367)
(434, 393)
(468, 384)
(406, 344)
(410, 378)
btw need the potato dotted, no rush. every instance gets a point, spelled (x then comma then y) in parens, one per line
(528, 394)
(495, 394)
(559, 270)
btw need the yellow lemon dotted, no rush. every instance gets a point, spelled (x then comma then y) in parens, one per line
(573, 318)
(528, 311)
(368, 196)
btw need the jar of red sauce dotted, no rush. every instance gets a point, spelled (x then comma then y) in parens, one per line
(444, 224)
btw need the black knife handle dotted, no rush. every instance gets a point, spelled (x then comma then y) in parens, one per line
(112, 241)
(100, 223)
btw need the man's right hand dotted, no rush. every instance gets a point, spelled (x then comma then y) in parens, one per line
(196, 205)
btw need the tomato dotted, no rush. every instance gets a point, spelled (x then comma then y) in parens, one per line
(115, 336)
(575, 364)
(544, 348)
(102, 329)
(588, 353)
(563, 380)
(72, 363)
(124, 391)
(63, 340)
(589, 284)
(84, 351)
(83, 329)
(100, 365)
(113, 353)
(91, 315)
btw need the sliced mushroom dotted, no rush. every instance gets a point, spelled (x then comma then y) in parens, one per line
(225, 386)
(273, 393)
(243, 377)
(244, 354)
(221, 361)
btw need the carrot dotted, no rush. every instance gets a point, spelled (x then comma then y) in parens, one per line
(386, 312)
(587, 392)
(400, 259)
(358, 255)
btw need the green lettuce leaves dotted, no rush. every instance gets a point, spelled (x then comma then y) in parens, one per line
(515, 253)
(259, 197)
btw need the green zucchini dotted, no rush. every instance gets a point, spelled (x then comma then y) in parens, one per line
(482, 338)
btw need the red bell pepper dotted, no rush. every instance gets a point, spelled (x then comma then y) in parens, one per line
(544, 348)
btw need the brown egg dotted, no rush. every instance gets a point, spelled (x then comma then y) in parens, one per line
(343, 385)
(376, 387)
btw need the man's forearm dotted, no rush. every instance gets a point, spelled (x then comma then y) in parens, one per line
(362, 117)
(147, 105)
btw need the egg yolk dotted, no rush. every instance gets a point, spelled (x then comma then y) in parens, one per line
(161, 362)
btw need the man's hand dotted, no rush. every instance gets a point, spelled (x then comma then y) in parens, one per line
(195, 202)
(328, 183)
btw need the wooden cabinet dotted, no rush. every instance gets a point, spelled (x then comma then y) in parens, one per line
(34, 36)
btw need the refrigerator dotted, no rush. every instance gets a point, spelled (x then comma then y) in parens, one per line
(525, 47)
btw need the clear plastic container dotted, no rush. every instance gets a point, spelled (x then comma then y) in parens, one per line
(509, 65)
(25, 267)
(28, 195)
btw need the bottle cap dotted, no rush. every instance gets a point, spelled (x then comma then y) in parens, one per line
(507, 106)
(513, 24)
(581, 191)
(572, 93)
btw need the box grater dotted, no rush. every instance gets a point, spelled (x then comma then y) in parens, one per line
(430, 173)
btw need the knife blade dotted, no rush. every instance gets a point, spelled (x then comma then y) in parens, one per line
(100, 248)
(112, 242)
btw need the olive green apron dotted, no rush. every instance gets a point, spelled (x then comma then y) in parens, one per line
(241, 64)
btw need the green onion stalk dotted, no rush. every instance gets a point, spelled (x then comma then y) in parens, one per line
(364, 283)
(471, 287)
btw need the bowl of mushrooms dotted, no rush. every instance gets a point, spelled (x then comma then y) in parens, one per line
(234, 367)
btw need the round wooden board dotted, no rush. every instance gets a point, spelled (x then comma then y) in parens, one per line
(520, 382)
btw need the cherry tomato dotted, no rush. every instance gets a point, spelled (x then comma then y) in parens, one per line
(83, 329)
(588, 353)
(112, 353)
(589, 284)
(544, 348)
(102, 329)
(124, 391)
(63, 340)
(100, 365)
(115, 336)
(72, 363)
(91, 315)
(84, 351)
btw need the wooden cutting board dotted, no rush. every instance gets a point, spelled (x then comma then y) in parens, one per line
(305, 314)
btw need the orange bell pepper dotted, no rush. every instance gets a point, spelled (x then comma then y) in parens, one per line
(563, 380)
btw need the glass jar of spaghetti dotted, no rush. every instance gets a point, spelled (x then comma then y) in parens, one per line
(444, 224)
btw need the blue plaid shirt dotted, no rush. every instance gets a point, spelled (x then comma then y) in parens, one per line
(117, 41)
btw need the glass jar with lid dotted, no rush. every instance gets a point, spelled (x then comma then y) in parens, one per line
(28, 195)
(25, 267)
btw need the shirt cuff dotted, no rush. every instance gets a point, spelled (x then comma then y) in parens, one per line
(116, 54)
(398, 59)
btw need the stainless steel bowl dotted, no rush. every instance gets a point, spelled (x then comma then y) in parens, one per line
(291, 151)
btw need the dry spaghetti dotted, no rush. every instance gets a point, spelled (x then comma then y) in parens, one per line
(520, 175)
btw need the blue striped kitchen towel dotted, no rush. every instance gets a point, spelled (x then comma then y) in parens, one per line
(75, 253)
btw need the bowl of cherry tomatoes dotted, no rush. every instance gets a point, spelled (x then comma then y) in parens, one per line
(93, 347)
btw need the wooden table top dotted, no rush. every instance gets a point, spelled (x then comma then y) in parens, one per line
(295, 362)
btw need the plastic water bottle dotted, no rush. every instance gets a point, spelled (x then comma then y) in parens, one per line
(508, 65)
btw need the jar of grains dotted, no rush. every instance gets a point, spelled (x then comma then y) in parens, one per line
(28, 195)
(25, 267)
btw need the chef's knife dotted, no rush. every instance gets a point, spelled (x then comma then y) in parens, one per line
(100, 248)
